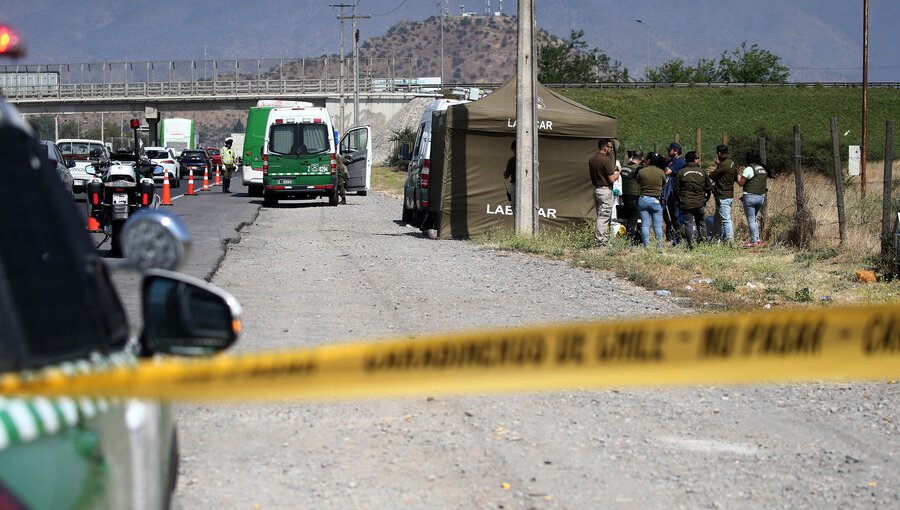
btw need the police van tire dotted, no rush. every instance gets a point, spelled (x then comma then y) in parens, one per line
(269, 199)
(362, 193)
(418, 217)
(333, 198)
(407, 214)
(255, 190)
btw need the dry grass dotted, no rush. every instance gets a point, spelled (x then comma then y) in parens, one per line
(862, 215)
(388, 180)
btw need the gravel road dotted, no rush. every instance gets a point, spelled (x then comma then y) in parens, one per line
(307, 274)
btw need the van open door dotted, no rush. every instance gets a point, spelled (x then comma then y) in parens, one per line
(356, 151)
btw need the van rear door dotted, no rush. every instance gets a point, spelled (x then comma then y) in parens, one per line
(356, 151)
(300, 154)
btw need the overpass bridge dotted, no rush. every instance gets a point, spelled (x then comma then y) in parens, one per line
(385, 86)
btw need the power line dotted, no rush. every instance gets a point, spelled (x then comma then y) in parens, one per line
(395, 9)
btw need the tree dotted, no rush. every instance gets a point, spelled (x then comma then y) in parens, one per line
(569, 61)
(675, 71)
(743, 65)
(400, 136)
(752, 65)
(238, 127)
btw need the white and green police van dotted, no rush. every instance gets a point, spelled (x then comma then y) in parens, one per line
(301, 156)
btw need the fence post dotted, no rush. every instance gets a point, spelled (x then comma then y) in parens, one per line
(762, 150)
(838, 178)
(887, 240)
(802, 225)
(697, 148)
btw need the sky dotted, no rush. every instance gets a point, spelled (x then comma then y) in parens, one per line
(819, 40)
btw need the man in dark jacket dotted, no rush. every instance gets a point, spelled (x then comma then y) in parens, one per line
(693, 188)
(631, 191)
(671, 214)
(723, 178)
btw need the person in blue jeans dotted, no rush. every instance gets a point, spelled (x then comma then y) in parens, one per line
(754, 181)
(723, 178)
(652, 179)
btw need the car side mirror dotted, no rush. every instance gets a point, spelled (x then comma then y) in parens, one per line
(187, 316)
(158, 170)
(70, 163)
(90, 170)
(404, 152)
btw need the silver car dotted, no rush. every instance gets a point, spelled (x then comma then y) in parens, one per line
(63, 165)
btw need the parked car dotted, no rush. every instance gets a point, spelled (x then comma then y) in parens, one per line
(79, 151)
(416, 187)
(60, 310)
(62, 165)
(196, 160)
(165, 157)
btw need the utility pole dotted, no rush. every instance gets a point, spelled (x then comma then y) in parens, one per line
(526, 220)
(353, 19)
(865, 101)
(341, 78)
(442, 5)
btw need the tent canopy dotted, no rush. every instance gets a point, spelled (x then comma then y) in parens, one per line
(471, 148)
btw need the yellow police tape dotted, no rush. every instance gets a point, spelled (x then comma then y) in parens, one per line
(810, 345)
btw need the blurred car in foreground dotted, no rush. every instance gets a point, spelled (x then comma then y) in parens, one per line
(59, 309)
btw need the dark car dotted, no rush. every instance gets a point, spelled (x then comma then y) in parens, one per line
(59, 310)
(63, 165)
(196, 160)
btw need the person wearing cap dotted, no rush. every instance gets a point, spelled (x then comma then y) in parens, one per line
(604, 173)
(693, 189)
(671, 214)
(631, 192)
(228, 162)
(753, 179)
(652, 179)
(723, 177)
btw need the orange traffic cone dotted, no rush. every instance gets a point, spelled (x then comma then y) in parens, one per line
(94, 225)
(190, 190)
(218, 177)
(205, 179)
(167, 192)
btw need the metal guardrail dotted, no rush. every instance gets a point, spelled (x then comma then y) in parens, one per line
(179, 90)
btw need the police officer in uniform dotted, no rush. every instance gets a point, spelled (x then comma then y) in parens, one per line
(693, 189)
(754, 181)
(342, 180)
(228, 161)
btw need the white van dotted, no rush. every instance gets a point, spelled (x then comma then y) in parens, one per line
(79, 150)
(416, 187)
(300, 154)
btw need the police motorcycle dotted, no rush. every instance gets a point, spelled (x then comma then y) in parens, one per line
(122, 186)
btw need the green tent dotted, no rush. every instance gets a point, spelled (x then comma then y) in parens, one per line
(470, 149)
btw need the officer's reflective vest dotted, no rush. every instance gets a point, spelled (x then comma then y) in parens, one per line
(227, 156)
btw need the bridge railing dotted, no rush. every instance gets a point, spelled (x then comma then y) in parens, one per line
(197, 89)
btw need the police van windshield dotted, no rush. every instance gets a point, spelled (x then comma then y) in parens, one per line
(300, 139)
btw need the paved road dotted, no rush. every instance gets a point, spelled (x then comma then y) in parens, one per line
(309, 275)
(213, 218)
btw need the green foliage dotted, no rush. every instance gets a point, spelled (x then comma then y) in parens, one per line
(752, 65)
(742, 65)
(675, 71)
(570, 61)
(402, 136)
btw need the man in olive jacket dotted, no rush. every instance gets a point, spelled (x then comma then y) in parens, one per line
(724, 177)
(693, 188)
